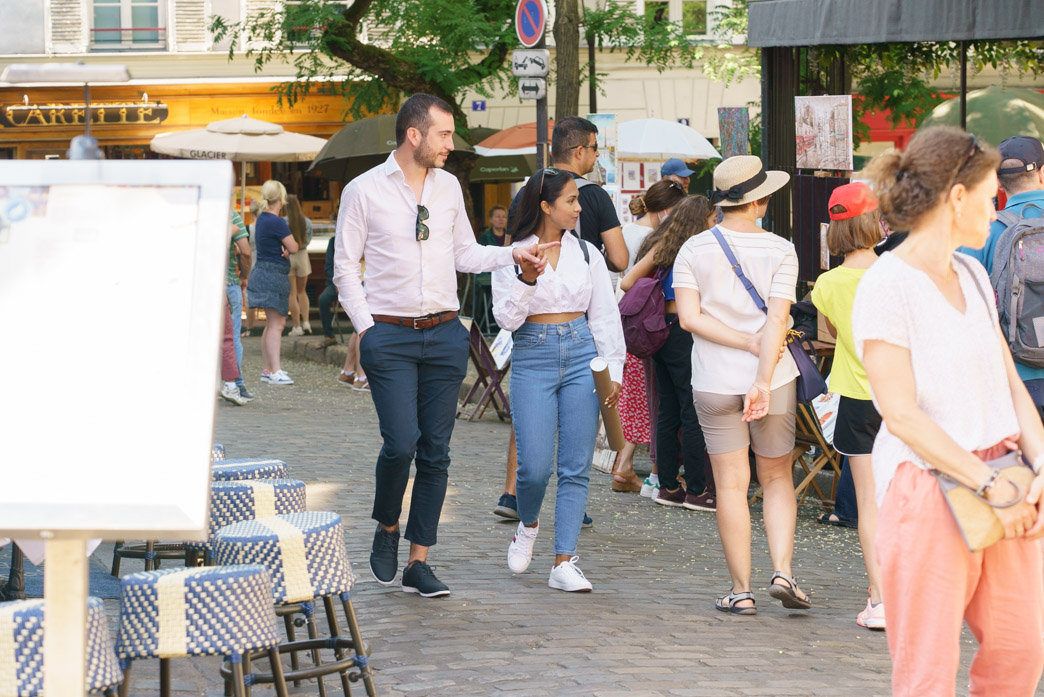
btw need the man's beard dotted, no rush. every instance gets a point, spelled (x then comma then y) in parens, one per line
(426, 156)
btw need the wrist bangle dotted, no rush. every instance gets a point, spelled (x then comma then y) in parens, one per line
(988, 484)
(528, 283)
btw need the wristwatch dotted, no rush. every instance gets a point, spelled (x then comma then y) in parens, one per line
(528, 283)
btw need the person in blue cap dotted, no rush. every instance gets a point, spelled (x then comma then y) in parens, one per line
(675, 170)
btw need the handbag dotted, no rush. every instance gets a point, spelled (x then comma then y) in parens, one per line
(810, 383)
(979, 525)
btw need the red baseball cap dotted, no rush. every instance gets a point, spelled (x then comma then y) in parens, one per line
(850, 200)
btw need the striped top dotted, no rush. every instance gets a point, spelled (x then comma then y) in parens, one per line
(771, 264)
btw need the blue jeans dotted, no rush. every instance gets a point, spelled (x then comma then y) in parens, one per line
(326, 308)
(235, 302)
(415, 377)
(552, 394)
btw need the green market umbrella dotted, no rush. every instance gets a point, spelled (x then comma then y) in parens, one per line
(995, 114)
(503, 168)
(362, 145)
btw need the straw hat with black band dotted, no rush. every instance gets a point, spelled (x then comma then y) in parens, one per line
(741, 179)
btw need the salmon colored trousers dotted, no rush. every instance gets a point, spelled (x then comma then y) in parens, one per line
(931, 582)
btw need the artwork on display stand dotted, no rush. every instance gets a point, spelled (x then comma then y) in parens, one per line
(632, 176)
(624, 210)
(734, 130)
(823, 127)
(651, 173)
(607, 144)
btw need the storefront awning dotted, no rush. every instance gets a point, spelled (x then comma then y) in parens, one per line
(818, 22)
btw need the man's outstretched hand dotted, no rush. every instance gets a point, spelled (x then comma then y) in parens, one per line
(532, 260)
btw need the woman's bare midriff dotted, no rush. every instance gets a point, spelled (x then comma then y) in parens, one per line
(554, 317)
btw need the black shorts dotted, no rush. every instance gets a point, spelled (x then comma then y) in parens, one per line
(856, 426)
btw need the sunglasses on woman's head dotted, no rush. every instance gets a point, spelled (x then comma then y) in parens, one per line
(422, 229)
(972, 149)
(547, 170)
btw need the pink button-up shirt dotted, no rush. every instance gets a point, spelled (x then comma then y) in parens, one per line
(404, 277)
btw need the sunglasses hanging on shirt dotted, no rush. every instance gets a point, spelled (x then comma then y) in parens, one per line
(422, 229)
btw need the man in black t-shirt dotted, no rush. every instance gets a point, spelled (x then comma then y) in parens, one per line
(574, 149)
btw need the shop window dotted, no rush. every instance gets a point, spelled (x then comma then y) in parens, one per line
(694, 16)
(119, 25)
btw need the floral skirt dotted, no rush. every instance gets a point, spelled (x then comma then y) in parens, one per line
(634, 403)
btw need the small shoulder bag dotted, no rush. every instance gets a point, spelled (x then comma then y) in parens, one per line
(810, 382)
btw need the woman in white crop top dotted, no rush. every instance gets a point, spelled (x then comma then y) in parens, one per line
(560, 321)
(924, 323)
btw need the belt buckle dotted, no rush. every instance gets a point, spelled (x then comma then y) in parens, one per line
(415, 320)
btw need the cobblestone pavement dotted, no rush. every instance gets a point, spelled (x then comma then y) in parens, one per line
(649, 627)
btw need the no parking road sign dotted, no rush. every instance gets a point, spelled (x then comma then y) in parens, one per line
(530, 21)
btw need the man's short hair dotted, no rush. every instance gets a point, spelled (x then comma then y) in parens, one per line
(415, 112)
(1018, 182)
(569, 134)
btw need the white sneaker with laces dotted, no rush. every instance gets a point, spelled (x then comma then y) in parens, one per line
(872, 617)
(649, 490)
(230, 392)
(520, 551)
(306, 327)
(296, 331)
(280, 377)
(567, 576)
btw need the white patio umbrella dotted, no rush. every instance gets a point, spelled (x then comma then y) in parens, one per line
(660, 140)
(240, 140)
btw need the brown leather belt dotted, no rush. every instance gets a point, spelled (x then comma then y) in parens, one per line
(425, 322)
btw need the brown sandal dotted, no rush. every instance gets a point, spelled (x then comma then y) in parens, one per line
(626, 484)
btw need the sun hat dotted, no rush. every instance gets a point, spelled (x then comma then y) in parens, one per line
(1026, 150)
(742, 179)
(676, 167)
(850, 200)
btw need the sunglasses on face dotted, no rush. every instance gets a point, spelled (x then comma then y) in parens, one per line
(592, 147)
(422, 229)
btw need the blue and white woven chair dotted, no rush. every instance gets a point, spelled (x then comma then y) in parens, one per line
(236, 501)
(211, 611)
(306, 555)
(248, 468)
(217, 452)
(22, 625)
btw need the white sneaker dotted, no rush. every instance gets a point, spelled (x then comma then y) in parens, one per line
(296, 331)
(567, 576)
(649, 490)
(307, 327)
(266, 376)
(520, 551)
(280, 377)
(230, 392)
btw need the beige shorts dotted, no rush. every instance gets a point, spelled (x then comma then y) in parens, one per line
(721, 418)
(300, 266)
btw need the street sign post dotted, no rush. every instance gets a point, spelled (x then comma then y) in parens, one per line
(532, 88)
(530, 62)
(530, 21)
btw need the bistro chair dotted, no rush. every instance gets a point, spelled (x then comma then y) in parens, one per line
(22, 644)
(306, 556)
(212, 611)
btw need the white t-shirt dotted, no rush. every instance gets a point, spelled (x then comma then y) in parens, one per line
(771, 264)
(634, 234)
(957, 359)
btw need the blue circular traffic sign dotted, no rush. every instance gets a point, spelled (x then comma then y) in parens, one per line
(530, 21)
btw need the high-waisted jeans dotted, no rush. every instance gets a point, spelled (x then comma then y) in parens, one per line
(552, 394)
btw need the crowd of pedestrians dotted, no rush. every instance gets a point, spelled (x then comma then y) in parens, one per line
(930, 396)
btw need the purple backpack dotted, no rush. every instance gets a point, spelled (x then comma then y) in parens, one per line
(645, 327)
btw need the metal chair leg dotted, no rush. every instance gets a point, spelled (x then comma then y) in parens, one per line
(150, 550)
(125, 685)
(331, 620)
(164, 677)
(277, 672)
(291, 636)
(313, 633)
(360, 647)
(116, 559)
(14, 589)
(238, 687)
(246, 671)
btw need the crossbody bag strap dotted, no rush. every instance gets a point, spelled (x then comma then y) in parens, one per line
(738, 270)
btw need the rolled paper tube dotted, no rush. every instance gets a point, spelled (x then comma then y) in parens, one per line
(610, 415)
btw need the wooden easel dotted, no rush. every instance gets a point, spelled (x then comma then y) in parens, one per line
(488, 382)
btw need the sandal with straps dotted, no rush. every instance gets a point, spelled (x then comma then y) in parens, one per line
(788, 595)
(727, 603)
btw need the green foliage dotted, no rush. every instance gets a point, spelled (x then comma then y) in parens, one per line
(382, 47)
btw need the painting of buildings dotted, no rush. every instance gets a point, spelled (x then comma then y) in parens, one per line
(824, 132)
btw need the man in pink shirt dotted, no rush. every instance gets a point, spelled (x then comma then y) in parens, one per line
(407, 218)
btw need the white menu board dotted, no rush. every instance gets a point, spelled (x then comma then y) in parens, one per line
(107, 414)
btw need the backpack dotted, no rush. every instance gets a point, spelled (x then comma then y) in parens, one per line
(645, 327)
(581, 183)
(1018, 280)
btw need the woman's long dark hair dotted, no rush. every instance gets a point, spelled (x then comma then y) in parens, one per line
(686, 219)
(542, 186)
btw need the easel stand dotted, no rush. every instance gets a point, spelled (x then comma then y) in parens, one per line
(65, 608)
